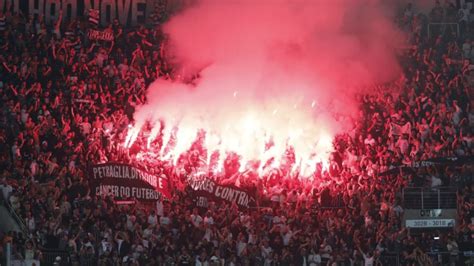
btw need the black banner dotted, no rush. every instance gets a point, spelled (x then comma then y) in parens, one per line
(125, 182)
(128, 12)
(100, 35)
(83, 101)
(205, 190)
(444, 161)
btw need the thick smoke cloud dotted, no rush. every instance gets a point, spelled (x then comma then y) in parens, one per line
(273, 67)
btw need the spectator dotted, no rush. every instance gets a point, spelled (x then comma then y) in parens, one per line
(67, 102)
(6, 189)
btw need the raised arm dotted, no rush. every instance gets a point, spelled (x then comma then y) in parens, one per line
(57, 26)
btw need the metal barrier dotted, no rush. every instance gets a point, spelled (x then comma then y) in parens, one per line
(389, 259)
(445, 258)
(441, 27)
(16, 217)
(434, 257)
(25, 262)
(50, 255)
(430, 198)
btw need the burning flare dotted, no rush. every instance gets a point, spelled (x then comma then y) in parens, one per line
(255, 135)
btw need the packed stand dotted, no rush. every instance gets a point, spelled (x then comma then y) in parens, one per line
(67, 103)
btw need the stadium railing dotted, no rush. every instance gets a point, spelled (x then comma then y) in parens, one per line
(21, 223)
(441, 27)
(389, 259)
(435, 257)
(50, 255)
(445, 258)
(430, 198)
(439, 258)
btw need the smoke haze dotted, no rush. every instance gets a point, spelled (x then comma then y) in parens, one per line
(272, 68)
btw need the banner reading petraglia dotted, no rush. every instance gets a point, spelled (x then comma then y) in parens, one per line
(205, 190)
(124, 181)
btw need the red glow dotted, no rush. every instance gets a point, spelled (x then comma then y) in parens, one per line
(279, 72)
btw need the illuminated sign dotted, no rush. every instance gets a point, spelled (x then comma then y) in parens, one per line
(431, 223)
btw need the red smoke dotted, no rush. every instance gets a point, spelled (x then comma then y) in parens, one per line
(271, 69)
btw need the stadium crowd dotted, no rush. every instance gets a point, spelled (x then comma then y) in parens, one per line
(67, 102)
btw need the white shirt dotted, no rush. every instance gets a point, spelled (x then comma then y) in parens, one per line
(147, 232)
(29, 254)
(275, 198)
(24, 116)
(131, 222)
(106, 246)
(240, 247)
(457, 115)
(15, 202)
(207, 235)
(164, 220)
(287, 237)
(327, 252)
(199, 263)
(209, 220)
(403, 145)
(305, 262)
(86, 128)
(6, 190)
(276, 220)
(197, 219)
(108, 126)
(268, 262)
(266, 251)
(16, 151)
(453, 248)
(314, 259)
(119, 241)
(398, 210)
(252, 239)
(159, 208)
(31, 224)
(152, 219)
(34, 167)
(463, 14)
(435, 182)
(369, 141)
(368, 261)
